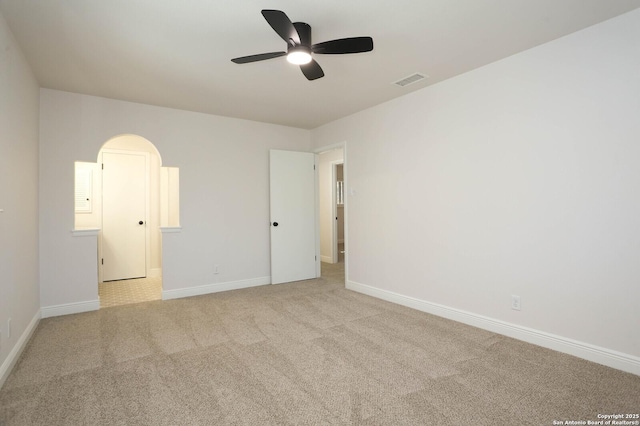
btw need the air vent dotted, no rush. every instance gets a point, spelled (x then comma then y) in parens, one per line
(413, 78)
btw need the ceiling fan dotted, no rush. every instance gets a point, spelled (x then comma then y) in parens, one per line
(299, 47)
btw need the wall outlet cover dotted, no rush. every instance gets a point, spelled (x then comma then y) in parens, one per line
(515, 303)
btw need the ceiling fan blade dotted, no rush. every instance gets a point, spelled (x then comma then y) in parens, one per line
(255, 58)
(344, 45)
(281, 24)
(312, 70)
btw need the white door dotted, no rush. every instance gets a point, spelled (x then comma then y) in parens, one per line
(292, 191)
(123, 215)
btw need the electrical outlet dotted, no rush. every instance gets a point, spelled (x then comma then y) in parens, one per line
(515, 303)
(9, 328)
(216, 269)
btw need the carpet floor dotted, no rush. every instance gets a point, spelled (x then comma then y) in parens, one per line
(304, 353)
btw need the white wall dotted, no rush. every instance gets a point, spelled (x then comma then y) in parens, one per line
(19, 295)
(517, 178)
(224, 192)
(325, 186)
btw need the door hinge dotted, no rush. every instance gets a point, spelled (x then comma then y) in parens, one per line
(102, 166)
(102, 261)
(314, 167)
(315, 257)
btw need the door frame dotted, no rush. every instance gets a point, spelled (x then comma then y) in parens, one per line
(147, 203)
(335, 253)
(345, 177)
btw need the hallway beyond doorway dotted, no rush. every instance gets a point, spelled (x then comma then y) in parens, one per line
(125, 292)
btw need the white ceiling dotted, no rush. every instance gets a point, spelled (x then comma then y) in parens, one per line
(177, 54)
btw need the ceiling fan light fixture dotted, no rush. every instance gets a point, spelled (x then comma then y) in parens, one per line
(297, 35)
(299, 55)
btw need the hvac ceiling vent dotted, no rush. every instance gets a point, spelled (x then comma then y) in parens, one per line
(413, 78)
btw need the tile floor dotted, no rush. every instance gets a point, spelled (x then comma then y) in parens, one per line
(124, 292)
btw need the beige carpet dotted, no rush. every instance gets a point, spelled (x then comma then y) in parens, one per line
(302, 353)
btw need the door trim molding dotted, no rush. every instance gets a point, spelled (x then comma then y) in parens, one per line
(335, 252)
(345, 178)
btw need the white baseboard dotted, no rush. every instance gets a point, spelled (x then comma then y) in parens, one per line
(12, 358)
(170, 229)
(214, 288)
(70, 308)
(155, 273)
(604, 356)
(326, 259)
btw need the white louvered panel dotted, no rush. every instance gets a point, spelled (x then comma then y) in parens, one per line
(83, 186)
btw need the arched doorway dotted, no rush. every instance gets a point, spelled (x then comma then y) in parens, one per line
(129, 244)
(128, 196)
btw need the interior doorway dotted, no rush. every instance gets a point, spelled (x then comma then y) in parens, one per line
(142, 196)
(125, 206)
(129, 243)
(338, 202)
(332, 212)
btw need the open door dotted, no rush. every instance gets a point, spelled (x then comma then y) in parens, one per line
(292, 197)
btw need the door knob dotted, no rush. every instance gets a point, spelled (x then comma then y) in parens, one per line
(141, 223)
(275, 223)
